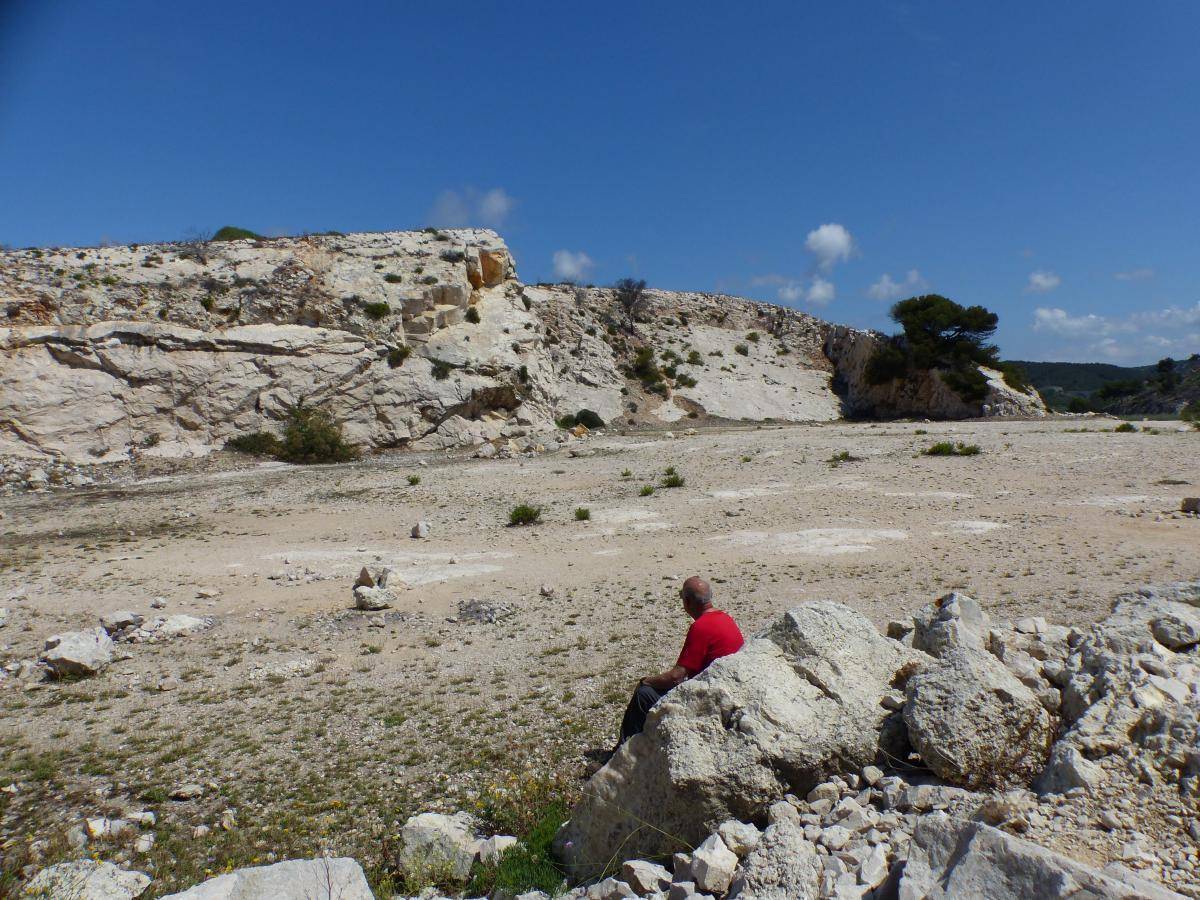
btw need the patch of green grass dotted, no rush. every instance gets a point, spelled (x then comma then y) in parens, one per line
(946, 448)
(626, 473)
(672, 479)
(377, 310)
(414, 480)
(393, 278)
(256, 443)
(742, 349)
(582, 514)
(524, 514)
(844, 456)
(646, 491)
(1125, 428)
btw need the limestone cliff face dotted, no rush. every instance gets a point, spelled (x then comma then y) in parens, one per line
(412, 339)
(925, 395)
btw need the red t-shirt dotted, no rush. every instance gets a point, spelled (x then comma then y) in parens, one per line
(710, 637)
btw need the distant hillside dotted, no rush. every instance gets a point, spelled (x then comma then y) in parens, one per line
(1121, 390)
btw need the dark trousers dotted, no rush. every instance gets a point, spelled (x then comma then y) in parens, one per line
(635, 714)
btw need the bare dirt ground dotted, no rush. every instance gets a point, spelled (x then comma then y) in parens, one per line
(319, 728)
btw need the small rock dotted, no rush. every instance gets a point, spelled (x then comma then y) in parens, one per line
(420, 530)
(645, 877)
(713, 865)
(188, 791)
(373, 599)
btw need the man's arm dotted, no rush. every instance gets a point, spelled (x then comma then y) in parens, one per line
(664, 681)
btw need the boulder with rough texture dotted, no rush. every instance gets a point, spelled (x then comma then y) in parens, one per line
(974, 723)
(952, 621)
(86, 879)
(712, 865)
(432, 841)
(323, 878)
(949, 859)
(373, 599)
(645, 877)
(799, 703)
(116, 621)
(78, 653)
(784, 866)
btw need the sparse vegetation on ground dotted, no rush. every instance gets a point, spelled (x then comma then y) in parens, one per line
(524, 514)
(948, 448)
(310, 435)
(233, 233)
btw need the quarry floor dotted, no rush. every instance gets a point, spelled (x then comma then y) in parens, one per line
(321, 729)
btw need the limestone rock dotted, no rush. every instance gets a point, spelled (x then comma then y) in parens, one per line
(740, 837)
(784, 866)
(373, 599)
(373, 577)
(713, 865)
(974, 723)
(952, 621)
(339, 877)
(78, 652)
(800, 702)
(116, 621)
(87, 879)
(433, 840)
(420, 530)
(645, 877)
(951, 859)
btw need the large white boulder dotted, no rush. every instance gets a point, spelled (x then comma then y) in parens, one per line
(799, 703)
(78, 653)
(951, 859)
(86, 879)
(323, 878)
(974, 723)
(432, 842)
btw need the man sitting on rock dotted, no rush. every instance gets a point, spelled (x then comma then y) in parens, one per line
(712, 634)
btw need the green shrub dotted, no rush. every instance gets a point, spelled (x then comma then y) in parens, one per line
(626, 473)
(312, 436)
(377, 310)
(567, 421)
(397, 355)
(429, 279)
(946, 448)
(524, 514)
(695, 359)
(528, 303)
(672, 479)
(969, 383)
(742, 349)
(233, 233)
(843, 457)
(582, 514)
(646, 491)
(257, 443)
(440, 369)
(589, 419)
(414, 480)
(752, 337)
(393, 278)
(686, 381)
(1015, 377)
(472, 315)
(1125, 428)
(452, 256)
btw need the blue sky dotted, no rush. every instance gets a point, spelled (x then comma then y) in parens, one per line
(1038, 158)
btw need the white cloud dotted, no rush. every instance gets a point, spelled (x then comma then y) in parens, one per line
(830, 244)
(1042, 282)
(791, 292)
(1172, 331)
(820, 291)
(1142, 274)
(571, 266)
(462, 208)
(887, 289)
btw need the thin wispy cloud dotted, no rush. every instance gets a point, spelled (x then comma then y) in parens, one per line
(572, 266)
(817, 291)
(1142, 274)
(1171, 331)
(888, 289)
(820, 291)
(469, 207)
(1042, 282)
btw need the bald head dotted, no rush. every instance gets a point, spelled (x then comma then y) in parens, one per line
(696, 594)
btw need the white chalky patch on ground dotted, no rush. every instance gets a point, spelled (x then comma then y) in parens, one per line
(623, 515)
(973, 526)
(848, 484)
(814, 541)
(606, 552)
(930, 495)
(766, 490)
(1121, 500)
(410, 568)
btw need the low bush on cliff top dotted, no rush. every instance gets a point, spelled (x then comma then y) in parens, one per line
(311, 435)
(233, 233)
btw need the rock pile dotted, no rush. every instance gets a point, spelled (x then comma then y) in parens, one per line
(975, 705)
